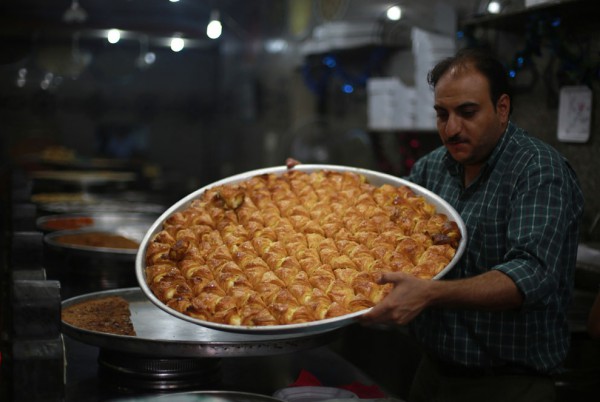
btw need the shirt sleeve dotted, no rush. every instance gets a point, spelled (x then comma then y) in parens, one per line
(545, 207)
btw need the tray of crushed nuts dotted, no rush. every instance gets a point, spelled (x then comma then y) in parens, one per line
(294, 249)
(125, 320)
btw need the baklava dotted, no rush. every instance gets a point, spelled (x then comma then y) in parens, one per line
(296, 247)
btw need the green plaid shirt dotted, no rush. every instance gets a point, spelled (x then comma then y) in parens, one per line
(522, 216)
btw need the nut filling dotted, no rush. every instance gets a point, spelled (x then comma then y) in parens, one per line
(294, 248)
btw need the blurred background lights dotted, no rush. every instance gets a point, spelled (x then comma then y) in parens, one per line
(150, 57)
(22, 77)
(46, 81)
(347, 88)
(275, 45)
(113, 36)
(177, 44)
(214, 27)
(394, 13)
(493, 7)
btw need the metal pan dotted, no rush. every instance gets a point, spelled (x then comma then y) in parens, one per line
(80, 180)
(373, 177)
(88, 203)
(160, 334)
(204, 396)
(96, 220)
(82, 269)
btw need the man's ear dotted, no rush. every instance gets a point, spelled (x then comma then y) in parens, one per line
(503, 107)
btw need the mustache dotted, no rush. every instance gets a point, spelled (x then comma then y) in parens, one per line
(455, 139)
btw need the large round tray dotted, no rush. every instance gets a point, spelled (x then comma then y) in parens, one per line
(373, 177)
(161, 335)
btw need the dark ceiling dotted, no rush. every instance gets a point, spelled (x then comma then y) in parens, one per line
(155, 19)
(189, 17)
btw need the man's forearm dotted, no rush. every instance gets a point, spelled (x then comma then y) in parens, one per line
(492, 290)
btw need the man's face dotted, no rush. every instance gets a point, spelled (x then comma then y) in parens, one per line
(467, 121)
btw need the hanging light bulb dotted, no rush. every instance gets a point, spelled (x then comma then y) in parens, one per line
(214, 27)
(177, 44)
(394, 13)
(113, 36)
(494, 7)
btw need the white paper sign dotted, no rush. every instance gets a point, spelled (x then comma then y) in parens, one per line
(574, 114)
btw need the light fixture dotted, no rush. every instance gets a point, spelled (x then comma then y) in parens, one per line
(214, 27)
(113, 36)
(75, 13)
(494, 7)
(177, 43)
(394, 13)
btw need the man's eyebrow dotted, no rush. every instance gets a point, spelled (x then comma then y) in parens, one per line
(461, 106)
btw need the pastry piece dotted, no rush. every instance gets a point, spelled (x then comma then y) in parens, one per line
(294, 248)
(110, 314)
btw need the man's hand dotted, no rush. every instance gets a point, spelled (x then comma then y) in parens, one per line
(409, 296)
(491, 291)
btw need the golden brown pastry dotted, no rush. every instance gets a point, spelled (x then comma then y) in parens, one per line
(294, 248)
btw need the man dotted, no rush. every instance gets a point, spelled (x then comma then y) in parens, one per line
(495, 327)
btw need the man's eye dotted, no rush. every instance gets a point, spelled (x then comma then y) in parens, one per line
(468, 113)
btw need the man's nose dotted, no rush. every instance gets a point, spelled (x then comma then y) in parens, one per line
(453, 125)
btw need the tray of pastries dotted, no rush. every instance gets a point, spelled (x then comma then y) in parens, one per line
(294, 249)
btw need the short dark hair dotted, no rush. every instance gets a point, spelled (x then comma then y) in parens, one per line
(485, 63)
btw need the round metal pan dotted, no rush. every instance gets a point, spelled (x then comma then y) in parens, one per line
(91, 204)
(132, 232)
(83, 177)
(81, 180)
(82, 269)
(160, 334)
(373, 177)
(96, 220)
(203, 396)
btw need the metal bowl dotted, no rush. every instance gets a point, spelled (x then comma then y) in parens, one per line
(373, 177)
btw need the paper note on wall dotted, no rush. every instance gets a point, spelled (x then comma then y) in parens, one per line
(574, 114)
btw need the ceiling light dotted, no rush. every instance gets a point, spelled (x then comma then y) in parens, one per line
(394, 13)
(113, 36)
(214, 27)
(494, 7)
(75, 13)
(177, 44)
